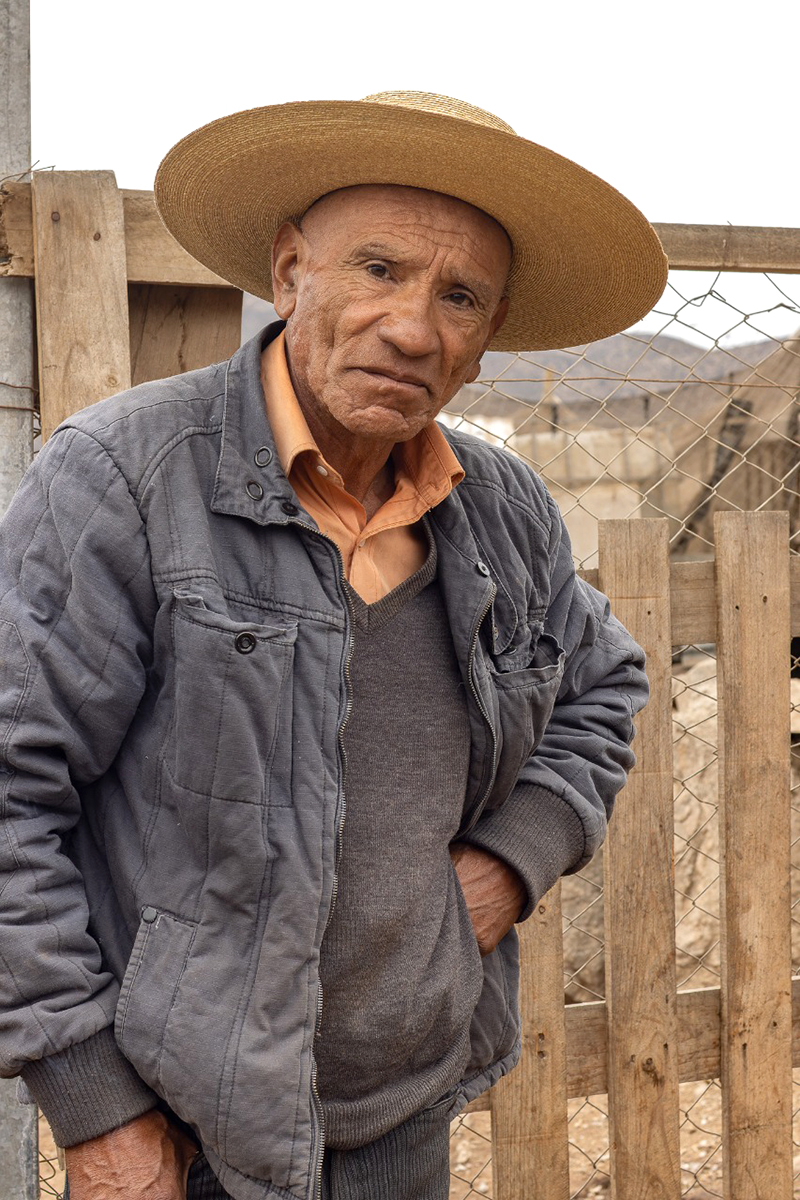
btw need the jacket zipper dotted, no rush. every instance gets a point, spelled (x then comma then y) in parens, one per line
(320, 1150)
(480, 804)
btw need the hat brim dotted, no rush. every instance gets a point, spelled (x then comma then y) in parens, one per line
(586, 262)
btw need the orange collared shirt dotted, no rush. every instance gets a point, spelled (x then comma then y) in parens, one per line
(379, 553)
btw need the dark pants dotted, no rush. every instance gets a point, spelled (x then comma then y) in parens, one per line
(411, 1162)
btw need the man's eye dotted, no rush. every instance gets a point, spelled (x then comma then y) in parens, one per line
(378, 270)
(460, 299)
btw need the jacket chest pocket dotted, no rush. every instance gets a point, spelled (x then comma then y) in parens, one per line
(525, 699)
(231, 729)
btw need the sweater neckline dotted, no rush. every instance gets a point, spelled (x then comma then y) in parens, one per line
(370, 617)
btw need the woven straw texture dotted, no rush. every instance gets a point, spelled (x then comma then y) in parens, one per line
(586, 262)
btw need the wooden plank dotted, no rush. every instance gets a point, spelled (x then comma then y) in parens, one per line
(155, 257)
(693, 606)
(152, 254)
(530, 1148)
(693, 603)
(179, 329)
(639, 887)
(699, 1051)
(81, 293)
(698, 1041)
(753, 621)
(731, 248)
(16, 230)
(693, 610)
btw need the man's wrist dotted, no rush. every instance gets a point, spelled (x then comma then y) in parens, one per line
(537, 833)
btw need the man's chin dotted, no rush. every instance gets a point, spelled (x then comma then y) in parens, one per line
(380, 422)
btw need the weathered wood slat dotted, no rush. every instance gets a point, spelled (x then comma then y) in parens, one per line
(81, 291)
(697, 1031)
(752, 561)
(153, 254)
(155, 257)
(693, 604)
(698, 1042)
(178, 329)
(639, 887)
(16, 229)
(530, 1148)
(731, 248)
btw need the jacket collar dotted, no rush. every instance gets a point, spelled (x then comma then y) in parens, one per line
(250, 481)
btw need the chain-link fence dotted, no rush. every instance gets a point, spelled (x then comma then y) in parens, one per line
(697, 410)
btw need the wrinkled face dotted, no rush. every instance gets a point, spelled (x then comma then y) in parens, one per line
(391, 294)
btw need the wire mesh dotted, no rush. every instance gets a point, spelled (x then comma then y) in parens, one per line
(51, 1168)
(695, 411)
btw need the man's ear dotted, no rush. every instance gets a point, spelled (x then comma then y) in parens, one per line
(287, 252)
(500, 314)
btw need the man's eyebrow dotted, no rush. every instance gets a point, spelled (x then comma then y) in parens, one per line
(376, 250)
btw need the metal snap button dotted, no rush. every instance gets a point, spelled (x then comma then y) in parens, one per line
(245, 643)
(254, 490)
(262, 456)
(482, 567)
(149, 915)
(290, 509)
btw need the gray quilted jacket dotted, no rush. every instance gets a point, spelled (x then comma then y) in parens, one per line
(173, 680)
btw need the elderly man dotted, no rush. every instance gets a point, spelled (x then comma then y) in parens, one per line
(304, 706)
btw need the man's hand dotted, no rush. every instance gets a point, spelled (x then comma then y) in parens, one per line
(494, 893)
(147, 1159)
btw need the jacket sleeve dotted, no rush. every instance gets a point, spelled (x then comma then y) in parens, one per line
(556, 816)
(76, 609)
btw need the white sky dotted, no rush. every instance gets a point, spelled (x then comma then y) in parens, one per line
(689, 108)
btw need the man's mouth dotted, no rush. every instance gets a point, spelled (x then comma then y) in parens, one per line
(401, 379)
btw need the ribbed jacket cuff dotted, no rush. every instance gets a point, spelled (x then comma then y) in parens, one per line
(88, 1089)
(535, 832)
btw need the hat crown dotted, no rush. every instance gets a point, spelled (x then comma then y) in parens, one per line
(446, 106)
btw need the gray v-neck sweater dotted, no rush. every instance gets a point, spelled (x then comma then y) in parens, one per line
(400, 967)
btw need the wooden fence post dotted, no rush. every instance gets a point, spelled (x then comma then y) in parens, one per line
(81, 291)
(753, 623)
(530, 1150)
(639, 888)
(97, 333)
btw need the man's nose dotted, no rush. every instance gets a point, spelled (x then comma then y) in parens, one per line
(410, 323)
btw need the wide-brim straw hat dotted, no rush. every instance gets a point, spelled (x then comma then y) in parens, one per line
(586, 262)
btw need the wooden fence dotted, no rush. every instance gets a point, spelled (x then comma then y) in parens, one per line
(118, 302)
(645, 1039)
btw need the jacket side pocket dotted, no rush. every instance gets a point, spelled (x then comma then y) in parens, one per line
(149, 989)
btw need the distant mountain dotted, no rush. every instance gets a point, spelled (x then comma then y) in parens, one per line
(621, 367)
